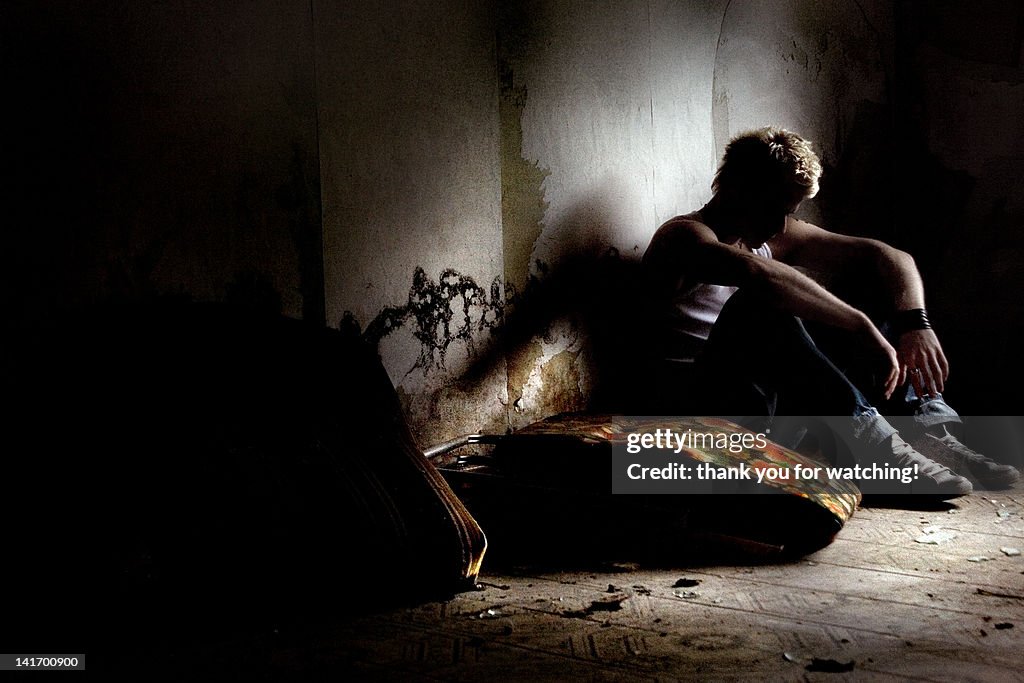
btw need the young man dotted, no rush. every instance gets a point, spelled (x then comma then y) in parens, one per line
(730, 305)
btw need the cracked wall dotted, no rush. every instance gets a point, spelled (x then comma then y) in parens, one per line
(605, 133)
(823, 69)
(411, 201)
(471, 185)
(583, 128)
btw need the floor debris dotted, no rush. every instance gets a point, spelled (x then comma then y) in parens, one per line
(993, 594)
(1010, 552)
(830, 666)
(610, 605)
(935, 535)
(861, 599)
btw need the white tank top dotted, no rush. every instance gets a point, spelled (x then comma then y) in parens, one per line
(694, 310)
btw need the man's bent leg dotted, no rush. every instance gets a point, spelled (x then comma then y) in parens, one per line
(756, 344)
(909, 413)
(753, 344)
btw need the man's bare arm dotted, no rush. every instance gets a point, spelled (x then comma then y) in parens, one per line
(920, 354)
(689, 247)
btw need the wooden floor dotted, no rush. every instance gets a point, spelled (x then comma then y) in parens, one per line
(877, 604)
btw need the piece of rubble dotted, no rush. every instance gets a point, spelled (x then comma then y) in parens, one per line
(830, 666)
(1010, 552)
(490, 613)
(935, 535)
(607, 605)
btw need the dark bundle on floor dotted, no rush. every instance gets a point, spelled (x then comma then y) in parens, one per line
(184, 468)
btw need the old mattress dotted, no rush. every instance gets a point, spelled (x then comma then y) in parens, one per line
(547, 488)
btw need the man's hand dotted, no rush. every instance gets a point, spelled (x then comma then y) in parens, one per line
(888, 359)
(893, 376)
(922, 362)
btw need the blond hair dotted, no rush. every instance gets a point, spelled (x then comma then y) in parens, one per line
(768, 159)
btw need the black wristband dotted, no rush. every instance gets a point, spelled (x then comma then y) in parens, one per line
(914, 319)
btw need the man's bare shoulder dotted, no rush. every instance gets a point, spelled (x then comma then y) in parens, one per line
(687, 227)
(677, 237)
(806, 244)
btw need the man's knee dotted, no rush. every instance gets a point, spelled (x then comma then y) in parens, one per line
(748, 324)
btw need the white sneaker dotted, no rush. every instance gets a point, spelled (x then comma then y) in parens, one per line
(948, 451)
(933, 479)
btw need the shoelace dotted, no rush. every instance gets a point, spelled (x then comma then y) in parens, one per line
(904, 451)
(962, 451)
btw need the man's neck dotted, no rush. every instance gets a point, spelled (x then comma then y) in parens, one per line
(716, 216)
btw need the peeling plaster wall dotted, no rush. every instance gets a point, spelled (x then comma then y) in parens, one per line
(614, 114)
(498, 172)
(411, 200)
(821, 68)
(606, 125)
(613, 120)
(160, 148)
(471, 185)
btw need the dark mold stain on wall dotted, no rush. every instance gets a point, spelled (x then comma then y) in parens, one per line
(449, 310)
